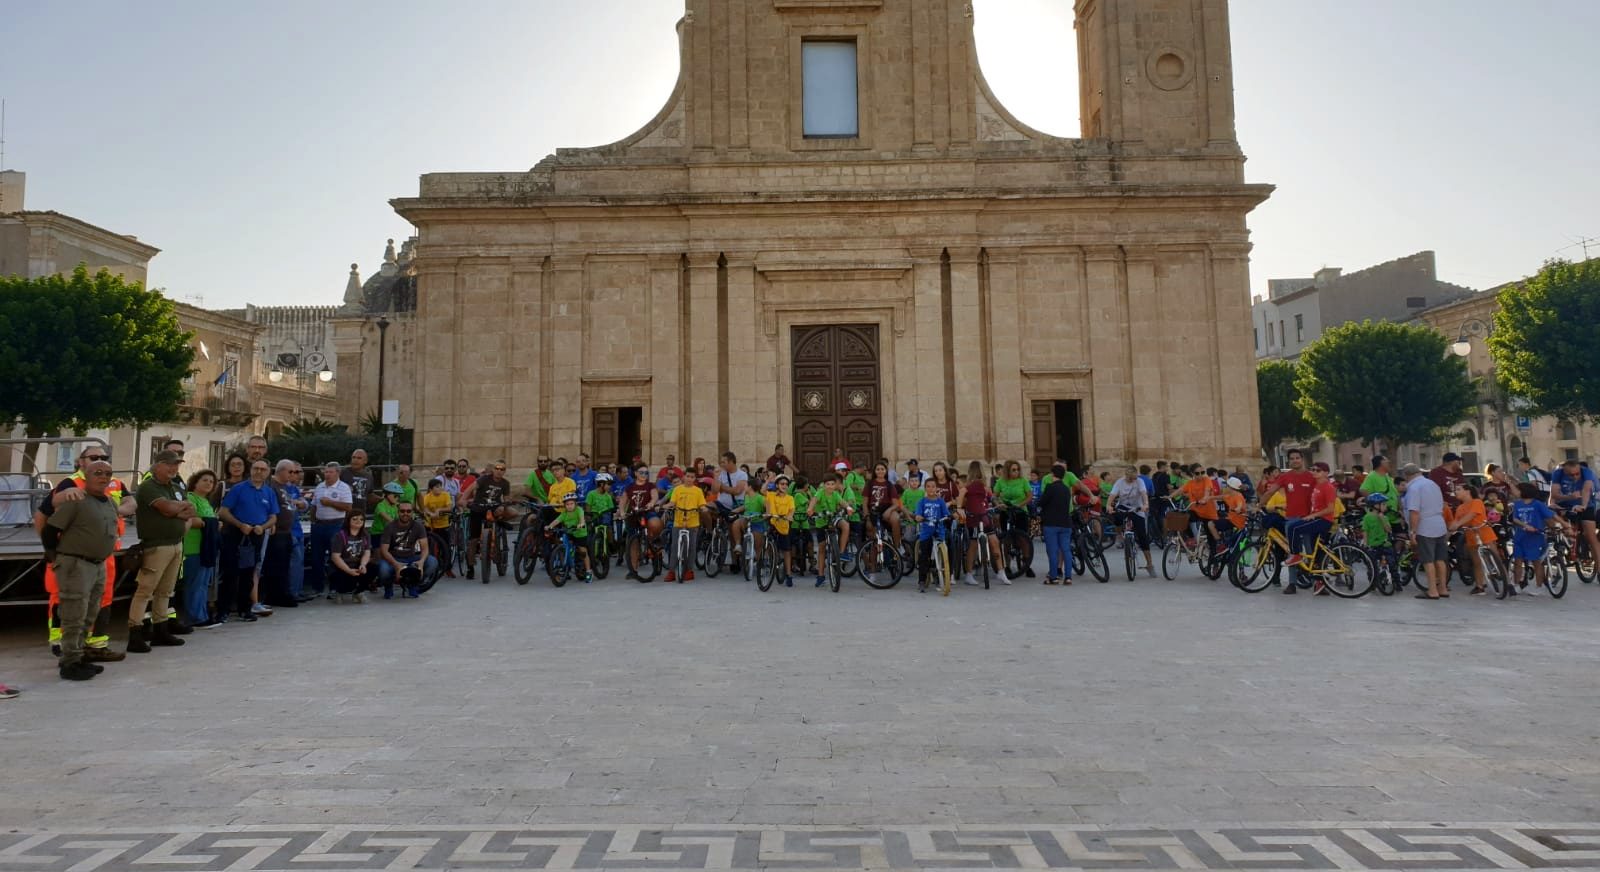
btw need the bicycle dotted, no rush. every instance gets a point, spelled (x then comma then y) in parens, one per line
(978, 538)
(1130, 544)
(940, 555)
(1016, 544)
(649, 549)
(1583, 563)
(530, 541)
(833, 550)
(437, 545)
(599, 547)
(767, 567)
(1087, 555)
(683, 554)
(561, 556)
(1182, 544)
(492, 546)
(1345, 570)
(460, 535)
(1494, 570)
(882, 564)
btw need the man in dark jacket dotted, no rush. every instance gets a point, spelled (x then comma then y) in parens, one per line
(1055, 517)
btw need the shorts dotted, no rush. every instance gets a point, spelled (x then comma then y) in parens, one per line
(781, 541)
(758, 526)
(1527, 548)
(580, 541)
(475, 523)
(1433, 549)
(1582, 515)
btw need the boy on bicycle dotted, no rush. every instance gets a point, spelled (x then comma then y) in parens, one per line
(1530, 516)
(931, 513)
(825, 503)
(573, 519)
(600, 503)
(1375, 531)
(755, 517)
(688, 501)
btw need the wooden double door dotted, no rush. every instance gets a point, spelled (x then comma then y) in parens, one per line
(838, 399)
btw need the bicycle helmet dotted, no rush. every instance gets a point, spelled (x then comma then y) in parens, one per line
(604, 476)
(1377, 499)
(1235, 482)
(393, 487)
(571, 497)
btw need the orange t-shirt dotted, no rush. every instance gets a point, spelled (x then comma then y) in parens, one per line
(1201, 492)
(1472, 513)
(1235, 503)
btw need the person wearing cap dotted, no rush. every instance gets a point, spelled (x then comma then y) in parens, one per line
(162, 518)
(1448, 476)
(1430, 539)
(67, 490)
(1234, 509)
(574, 520)
(78, 538)
(1575, 492)
(331, 500)
(1304, 532)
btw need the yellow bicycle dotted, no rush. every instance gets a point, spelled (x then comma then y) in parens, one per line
(1344, 568)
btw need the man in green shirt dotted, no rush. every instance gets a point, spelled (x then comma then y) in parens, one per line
(1381, 481)
(539, 481)
(161, 518)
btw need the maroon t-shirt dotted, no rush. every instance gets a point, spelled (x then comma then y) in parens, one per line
(880, 494)
(638, 497)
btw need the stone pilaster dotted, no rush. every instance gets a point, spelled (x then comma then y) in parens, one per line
(1109, 354)
(966, 321)
(704, 376)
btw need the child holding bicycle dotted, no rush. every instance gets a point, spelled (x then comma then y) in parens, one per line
(1376, 534)
(931, 514)
(688, 501)
(780, 509)
(575, 521)
(1530, 516)
(1473, 516)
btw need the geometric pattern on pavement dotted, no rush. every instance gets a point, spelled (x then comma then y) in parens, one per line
(1320, 846)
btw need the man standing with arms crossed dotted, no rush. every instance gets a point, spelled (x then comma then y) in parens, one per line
(79, 537)
(162, 518)
(330, 503)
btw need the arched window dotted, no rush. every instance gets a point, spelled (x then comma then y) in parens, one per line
(1516, 448)
(1569, 431)
(1469, 438)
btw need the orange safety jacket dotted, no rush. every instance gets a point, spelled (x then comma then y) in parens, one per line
(115, 493)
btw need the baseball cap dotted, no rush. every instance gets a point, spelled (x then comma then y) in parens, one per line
(166, 457)
(1451, 456)
(1409, 470)
(1235, 482)
(841, 465)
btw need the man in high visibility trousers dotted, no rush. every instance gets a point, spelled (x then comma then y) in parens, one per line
(98, 645)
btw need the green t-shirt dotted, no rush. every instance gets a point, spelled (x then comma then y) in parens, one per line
(1379, 483)
(154, 527)
(539, 485)
(826, 504)
(573, 519)
(855, 500)
(1013, 491)
(855, 481)
(411, 493)
(599, 501)
(382, 515)
(910, 499)
(755, 505)
(1375, 527)
(202, 509)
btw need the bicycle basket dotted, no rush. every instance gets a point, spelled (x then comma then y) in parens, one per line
(1176, 522)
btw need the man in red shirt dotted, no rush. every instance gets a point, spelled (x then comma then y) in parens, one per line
(1297, 485)
(672, 471)
(1304, 533)
(1448, 476)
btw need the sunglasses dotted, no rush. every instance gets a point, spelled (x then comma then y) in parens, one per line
(95, 458)
(499, 469)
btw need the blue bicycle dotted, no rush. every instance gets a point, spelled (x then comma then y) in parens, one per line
(941, 554)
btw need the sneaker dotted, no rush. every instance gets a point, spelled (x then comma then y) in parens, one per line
(94, 667)
(1028, 572)
(358, 598)
(632, 576)
(788, 582)
(208, 624)
(469, 575)
(1531, 590)
(587, 578)
(77, 672)
(671, 576)
(1294, 560)
(1320, 589)
(388, 592)
(1291, 588)
(688, 575)
(9, 692)
(969, 581)
(413, 593)
(821, 581)
(103, 655)
(333, 598)
(247, 618)
(1004, 579)
(261, 610)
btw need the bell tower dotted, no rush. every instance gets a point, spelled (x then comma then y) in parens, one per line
(1157, 75)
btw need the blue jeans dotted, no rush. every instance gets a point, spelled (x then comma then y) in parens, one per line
(318, 543)
(1058, 547)
(196, 585)
(386, 573)
(297, 567)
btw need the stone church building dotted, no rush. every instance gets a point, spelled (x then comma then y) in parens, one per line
(834, 236)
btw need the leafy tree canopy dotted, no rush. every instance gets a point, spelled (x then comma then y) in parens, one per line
(1546, 340)
(1281, 418)
(1382, 380)
(84, 351)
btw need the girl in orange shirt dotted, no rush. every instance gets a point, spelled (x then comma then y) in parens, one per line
(1474, 517)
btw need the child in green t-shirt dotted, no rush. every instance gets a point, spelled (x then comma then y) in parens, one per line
(755, 515)
(575, 521)
(1375, 531)
(599, 502)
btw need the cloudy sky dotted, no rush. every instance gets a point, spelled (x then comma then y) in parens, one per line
(258, 145)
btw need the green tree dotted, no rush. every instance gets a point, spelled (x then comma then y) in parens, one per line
(1546, 340)
(1281, 418)
(1381, 380)
(85, 351)
(311, 426)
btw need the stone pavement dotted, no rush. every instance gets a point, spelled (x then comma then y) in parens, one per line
(1150, 724)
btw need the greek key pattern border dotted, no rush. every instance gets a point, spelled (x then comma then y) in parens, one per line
(1309, 847)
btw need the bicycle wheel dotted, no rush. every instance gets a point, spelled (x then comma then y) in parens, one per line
(941, 565)
(715, 553)
(1555, 576)
(830, 560)
(849, 556)
(764, 567)
(1355, 578)
(751, 559)
(877, 566)
(1256, 567)
(984, 558)
(1382, 577)
(1494, 573)
(527, 558)
(1171, 556)
(1583, 564)
(648, 564)
(600, 552)
(486, 556)
(1127, 558)
(702, 552)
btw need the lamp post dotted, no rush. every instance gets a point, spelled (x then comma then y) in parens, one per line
(276, 377)
(1462, 347)
(383, 330)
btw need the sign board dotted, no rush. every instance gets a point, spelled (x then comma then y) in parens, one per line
(1524, 422)
(391, 412)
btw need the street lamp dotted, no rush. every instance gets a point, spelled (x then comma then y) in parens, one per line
(276, 377)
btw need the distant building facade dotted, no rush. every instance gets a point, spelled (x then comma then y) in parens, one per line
(34, 244)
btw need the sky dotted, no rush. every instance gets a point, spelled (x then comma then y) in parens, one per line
(258, 145)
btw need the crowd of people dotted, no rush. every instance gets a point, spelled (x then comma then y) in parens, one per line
(235, 544)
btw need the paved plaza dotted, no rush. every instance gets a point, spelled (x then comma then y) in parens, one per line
(1146, 725)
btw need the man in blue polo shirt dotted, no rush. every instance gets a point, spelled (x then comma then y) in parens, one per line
(1575, 492)
(249, 513)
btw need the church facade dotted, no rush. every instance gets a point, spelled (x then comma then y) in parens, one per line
(833, 236)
